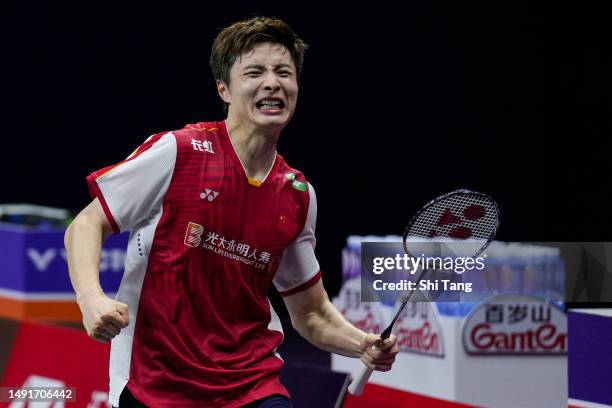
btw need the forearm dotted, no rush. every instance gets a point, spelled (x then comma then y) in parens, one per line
(326, 328)
(83, 241)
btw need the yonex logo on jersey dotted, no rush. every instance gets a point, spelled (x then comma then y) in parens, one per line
(208, 194)
(202, 146)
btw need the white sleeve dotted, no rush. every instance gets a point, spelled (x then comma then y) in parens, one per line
(299, 268)
(131, 189)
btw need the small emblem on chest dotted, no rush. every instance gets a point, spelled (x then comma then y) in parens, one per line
(208, 194)
(298, 185)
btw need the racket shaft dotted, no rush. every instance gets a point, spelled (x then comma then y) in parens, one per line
(387, 333)
(358, 384)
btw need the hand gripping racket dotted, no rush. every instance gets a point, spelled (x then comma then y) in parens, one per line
(464, 221)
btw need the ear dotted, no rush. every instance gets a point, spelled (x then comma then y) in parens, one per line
(223, 91)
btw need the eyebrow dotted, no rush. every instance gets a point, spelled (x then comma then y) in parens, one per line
(260, 66)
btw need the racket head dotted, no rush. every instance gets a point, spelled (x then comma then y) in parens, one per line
(463, 221)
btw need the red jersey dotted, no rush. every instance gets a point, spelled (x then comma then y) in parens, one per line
(206, 243)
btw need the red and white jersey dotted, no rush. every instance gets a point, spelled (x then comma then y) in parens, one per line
(206, 243)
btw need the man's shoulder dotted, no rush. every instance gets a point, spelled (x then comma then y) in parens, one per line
(285, 167)
(297, 177)
(199, 129)
(199, 137)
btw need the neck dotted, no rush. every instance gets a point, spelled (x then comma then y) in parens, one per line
(255, 147)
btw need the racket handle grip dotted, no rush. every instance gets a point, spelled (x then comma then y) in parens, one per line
(358, 384)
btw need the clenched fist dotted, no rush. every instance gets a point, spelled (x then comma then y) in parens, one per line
(378, 354)
(103, 317)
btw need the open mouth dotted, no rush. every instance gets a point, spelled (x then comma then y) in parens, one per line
(270, 104)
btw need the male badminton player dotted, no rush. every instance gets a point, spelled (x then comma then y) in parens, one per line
(216, 216)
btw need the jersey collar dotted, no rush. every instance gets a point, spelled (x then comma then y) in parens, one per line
(231, 151)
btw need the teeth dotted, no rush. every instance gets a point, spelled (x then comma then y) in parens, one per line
(269, 104)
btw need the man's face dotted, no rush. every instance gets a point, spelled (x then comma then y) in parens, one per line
(263, 87)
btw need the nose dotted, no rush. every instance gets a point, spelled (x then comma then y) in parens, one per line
(271, 82)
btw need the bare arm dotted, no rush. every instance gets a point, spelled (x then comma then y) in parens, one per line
(83, 240)
(319, 322)
(103, 317)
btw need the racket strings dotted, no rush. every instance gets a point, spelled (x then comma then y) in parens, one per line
(459, 216)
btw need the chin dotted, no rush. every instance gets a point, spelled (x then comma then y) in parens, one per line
(273, 122)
